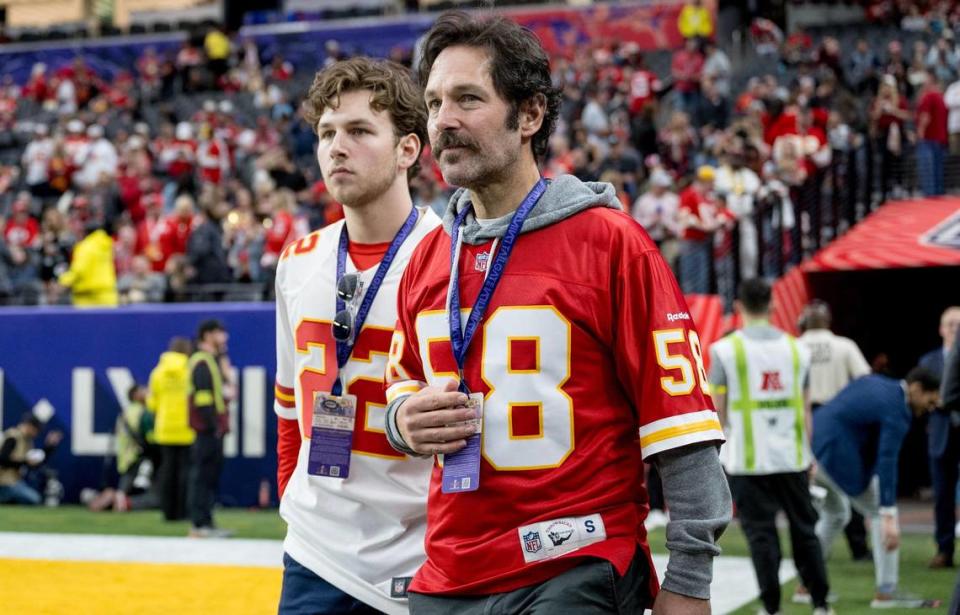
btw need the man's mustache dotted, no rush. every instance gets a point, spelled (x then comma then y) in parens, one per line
(451, 139)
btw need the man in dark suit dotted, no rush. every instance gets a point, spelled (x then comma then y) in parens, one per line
(943, 431)
(950, 400)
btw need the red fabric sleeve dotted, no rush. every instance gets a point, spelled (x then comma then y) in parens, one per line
(288, 449)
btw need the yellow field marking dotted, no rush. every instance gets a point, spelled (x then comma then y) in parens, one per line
(44, 587)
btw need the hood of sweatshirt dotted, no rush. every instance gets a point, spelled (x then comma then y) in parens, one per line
(565, 196)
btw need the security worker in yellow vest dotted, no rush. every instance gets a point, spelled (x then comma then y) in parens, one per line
(758, 382)
(209, 384)
(169, 390)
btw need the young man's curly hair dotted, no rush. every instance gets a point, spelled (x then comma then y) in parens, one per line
(392, 89)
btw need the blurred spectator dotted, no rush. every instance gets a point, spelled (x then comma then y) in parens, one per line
(698, 222)
(944, 446)
(36, 162)
(206, 251)
(141, 284)
(6, 283)
(92, 277)
(717, 67)
(739, 186)
(97, 161)
(889, 115)
(862, 68)
(169, 389)
(133, 445)
(932, 138)
(22, 229)
(677, 144)
(657, 210)
(211, 390)
(687, 69)
(17, 454)
(951, 99)
(695, 21)
(216, 44)
(712, 112)
(176, 229)
(857, 437)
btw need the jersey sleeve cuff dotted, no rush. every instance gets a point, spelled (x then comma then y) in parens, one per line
(284, 402)
(888, 511)
(680, 430)
(403, 388)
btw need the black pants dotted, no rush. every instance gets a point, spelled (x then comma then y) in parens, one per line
(758, 498)
(206, 461)
(174, 463)
(592, 588)
(944, 471)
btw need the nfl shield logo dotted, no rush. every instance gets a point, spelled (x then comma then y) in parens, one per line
(480, 261)
(531, 542)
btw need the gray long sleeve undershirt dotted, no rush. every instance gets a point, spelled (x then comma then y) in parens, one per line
(696, 492)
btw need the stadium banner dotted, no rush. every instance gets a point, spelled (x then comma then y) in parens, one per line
(649, 26)
(899, 235)
(81, 363)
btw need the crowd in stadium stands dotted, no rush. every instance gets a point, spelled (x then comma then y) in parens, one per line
(730, 181)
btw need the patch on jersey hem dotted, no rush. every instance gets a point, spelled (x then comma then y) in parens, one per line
(556, 537)
(399, 586)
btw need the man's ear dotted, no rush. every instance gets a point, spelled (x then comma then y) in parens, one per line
(409, 149)
(531, 115)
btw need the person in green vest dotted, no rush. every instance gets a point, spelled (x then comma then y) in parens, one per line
(134, 441)
(167, 399)
(210, 387)
(133, 444)
(758, 381)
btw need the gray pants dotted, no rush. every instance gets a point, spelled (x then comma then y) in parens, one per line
(834, 512)
(592, 588)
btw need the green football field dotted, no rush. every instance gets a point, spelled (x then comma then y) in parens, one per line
(853, 582)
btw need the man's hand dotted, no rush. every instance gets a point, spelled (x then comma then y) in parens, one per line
(428, 419)
(669, 603)
(53, 438)
(890, 530)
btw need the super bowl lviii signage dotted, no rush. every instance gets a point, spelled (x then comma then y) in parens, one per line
(73, 368)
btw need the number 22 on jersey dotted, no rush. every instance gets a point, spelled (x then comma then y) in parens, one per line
(317, 354)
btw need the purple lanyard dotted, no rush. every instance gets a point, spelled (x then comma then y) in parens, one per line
(460, 338)
(344, 349)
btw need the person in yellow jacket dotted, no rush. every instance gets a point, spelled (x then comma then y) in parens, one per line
(92, 276)
(695, 21)
(168, 399)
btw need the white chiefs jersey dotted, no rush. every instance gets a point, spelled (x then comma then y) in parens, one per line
(366, 531)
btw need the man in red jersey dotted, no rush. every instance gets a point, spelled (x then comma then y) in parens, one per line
(545, 317)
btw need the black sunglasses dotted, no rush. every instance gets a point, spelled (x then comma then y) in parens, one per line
(347, 288)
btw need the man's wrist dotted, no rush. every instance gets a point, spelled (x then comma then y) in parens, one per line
(888, 511)
(394, 437)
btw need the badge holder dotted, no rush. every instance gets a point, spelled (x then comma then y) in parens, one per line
(461, 470)
(331, 437)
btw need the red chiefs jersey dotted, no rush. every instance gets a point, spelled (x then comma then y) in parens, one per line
(589, 363)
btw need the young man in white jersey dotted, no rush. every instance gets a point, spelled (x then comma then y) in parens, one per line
(354, 507)
(758, 382)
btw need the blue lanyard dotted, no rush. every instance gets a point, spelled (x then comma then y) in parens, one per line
(344, 349)
(460, 338)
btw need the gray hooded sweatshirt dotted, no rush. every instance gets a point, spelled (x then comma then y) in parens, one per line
(694, 485)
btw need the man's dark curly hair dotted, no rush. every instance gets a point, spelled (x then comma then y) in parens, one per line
(520, 68)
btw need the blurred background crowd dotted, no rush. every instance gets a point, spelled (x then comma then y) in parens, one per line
(184, 175)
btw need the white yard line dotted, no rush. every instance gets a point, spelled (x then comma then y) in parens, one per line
(147, 549)
(734, 583)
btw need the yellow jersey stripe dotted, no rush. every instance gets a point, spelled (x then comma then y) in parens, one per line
(680, 430)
